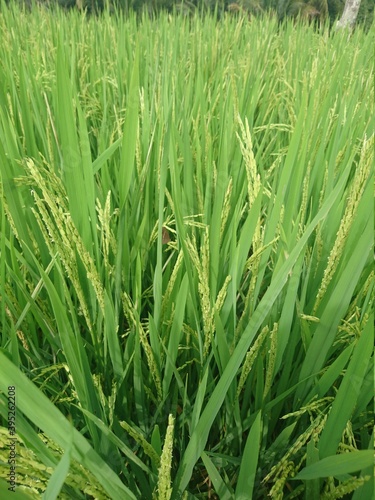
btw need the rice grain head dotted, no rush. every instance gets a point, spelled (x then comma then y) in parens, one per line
(362, 174)
(164, 486)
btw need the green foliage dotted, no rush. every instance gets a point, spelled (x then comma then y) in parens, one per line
(312, 10)
(186, 281)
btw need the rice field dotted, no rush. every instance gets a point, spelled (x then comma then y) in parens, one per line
(186, 258)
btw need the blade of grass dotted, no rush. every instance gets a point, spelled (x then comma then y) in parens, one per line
(37, 407)
(367, 490)
(348, 393)
(249, 462)
(312, 486)
(175, 334)
(75, 353)
(200, 434)
(105, 156)
(335, 308)
(17, 494)
(72, 168)
(58, 477)
(111, 337)
(221, 488)
(130, 133)
(338, 465)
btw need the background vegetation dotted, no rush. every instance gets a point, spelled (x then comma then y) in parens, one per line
(185, 256)
(308, 9)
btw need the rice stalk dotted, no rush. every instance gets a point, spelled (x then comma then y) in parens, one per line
(56, 239)
(271, 360)
(246, 145)
(250, 359)
(171, 283)
(62, 235)
(226, 208)
(164, 489)
(133, 321)
(345, 488)
(108, 239)
(363, 172)
(202, 266)
(313, 432)
(146, 446)
(310, 408)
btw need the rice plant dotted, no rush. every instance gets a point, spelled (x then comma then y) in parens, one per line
(185, 257)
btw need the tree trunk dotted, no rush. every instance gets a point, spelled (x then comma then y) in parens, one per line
(349, 15)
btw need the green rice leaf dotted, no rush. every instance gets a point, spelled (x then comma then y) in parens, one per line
(58, 477)
(130, 133)
(348, 393)
(36, 406)
(200, 434)
(249, 462)
(18, 494)
(219, 484)
(338, 465)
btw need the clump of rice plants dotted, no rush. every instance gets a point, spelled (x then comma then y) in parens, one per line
(185, 256)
